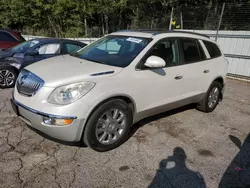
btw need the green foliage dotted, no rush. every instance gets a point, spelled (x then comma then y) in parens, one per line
(71, 18)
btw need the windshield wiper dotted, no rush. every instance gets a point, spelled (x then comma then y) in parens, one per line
(74, 54)
(92, 60)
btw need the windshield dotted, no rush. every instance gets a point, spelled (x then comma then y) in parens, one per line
(113, 50)
(23, 47)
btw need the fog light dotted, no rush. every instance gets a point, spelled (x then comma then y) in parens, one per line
(54, 121)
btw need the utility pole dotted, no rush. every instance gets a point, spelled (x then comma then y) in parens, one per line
(171, 19)
(221, 15)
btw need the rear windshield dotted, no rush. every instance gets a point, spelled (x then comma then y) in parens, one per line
(23, 47)
(112, 50)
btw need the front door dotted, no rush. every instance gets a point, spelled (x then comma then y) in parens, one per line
(160, 88)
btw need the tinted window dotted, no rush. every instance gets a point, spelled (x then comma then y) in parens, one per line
(191, 50)
(111, 50)
(49, 49)
(6, 37)
(72, 47)
(167, 49)
(212, 49)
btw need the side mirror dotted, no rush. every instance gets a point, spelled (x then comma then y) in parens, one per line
(32, 53)
(155, 62)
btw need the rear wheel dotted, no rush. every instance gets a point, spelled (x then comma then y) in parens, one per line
(211, 98)
(7, 77)
(109, 126)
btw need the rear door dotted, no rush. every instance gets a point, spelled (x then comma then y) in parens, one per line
(216, 65)
(7, 40)
(194, 62)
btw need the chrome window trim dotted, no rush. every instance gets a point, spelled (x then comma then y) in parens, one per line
(41, 113)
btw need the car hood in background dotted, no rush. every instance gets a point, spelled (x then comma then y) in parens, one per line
(66, 69)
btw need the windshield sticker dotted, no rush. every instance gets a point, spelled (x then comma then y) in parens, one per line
(136, 40)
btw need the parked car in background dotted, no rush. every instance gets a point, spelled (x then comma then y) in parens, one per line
(9, 39)
(30, 52)
(97, 93)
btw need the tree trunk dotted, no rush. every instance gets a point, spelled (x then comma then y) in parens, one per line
(103, 27)
(53, 26)
(106, 19)
(85, 26)
(152, 23)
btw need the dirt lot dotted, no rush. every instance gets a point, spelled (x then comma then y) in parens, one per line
(202, 146)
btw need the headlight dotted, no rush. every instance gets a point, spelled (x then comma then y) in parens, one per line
(70, 93)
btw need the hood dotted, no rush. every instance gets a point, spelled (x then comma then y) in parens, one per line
(5, 53)
(66, 69)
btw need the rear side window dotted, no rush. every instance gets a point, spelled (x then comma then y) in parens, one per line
(212, 49)
(192, 50)
(72, 47)
(6, 37)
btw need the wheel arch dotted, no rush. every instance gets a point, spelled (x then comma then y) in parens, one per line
(9, 66)
(126, 98)
(220, 80)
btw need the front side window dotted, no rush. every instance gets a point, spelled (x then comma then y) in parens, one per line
(49, 49)
(23, 47)
(191, 50)
(167, 49)
(212, 49)
(112, 50)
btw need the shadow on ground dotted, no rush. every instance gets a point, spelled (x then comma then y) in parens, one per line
(147, 120)
(173, 173)
(237, 174)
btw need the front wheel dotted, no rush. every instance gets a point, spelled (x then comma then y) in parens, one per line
(7, 77)
(109, 126)
(211, 98)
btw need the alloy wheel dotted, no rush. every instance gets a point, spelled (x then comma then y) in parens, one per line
(7, 78)
(213, 97)
(110, 126)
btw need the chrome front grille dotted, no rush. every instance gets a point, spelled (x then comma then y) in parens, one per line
(28, 84)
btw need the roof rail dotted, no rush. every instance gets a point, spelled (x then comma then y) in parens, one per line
(159, 31)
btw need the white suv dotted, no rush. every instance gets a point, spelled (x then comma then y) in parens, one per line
(97, 93)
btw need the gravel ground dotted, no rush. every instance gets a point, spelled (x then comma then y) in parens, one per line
(181, 148)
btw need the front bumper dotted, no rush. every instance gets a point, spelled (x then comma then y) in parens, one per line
(34, 118)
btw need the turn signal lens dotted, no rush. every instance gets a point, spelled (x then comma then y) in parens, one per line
(54, 121)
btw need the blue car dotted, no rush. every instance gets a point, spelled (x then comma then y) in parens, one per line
(14, 59)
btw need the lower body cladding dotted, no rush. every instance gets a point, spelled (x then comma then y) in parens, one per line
(71, 131)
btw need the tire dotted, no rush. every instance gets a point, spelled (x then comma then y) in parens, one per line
(106, 119)
(8, 76)
(204, 105)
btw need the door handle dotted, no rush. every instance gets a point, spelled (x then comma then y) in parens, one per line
(206, 71)
(178, 77)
